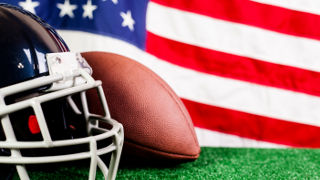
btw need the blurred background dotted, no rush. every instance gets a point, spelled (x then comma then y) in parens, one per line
(247, 71)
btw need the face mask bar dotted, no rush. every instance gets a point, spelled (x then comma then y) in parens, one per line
(93, 120)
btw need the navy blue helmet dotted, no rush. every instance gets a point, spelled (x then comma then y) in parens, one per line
(44, 112)
(25, 40)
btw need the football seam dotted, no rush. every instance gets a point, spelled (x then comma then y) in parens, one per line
(170, 91)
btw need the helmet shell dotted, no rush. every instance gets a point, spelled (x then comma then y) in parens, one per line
(24, 42)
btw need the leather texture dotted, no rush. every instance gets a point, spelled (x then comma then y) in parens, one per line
(156, 123)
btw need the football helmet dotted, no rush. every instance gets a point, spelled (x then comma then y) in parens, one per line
(44, 112)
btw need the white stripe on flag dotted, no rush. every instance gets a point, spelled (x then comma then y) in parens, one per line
(218, 139)
(233, 38)
(310, 6)
(209, 89)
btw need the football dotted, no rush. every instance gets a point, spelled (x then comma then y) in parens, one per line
(156, 123)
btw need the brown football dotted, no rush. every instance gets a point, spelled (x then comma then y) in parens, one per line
(156, 123)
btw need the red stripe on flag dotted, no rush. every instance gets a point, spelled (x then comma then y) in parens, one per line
(253, 126)
(233, 66)
(255, 14)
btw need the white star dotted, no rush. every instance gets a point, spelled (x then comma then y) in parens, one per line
(88, 9)
(127, 20)
(114, 1)
(66, 8)
(29, 5)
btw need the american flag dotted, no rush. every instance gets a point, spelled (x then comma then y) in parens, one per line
(247, 70)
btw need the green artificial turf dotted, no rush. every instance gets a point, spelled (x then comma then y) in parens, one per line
(213, 163)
